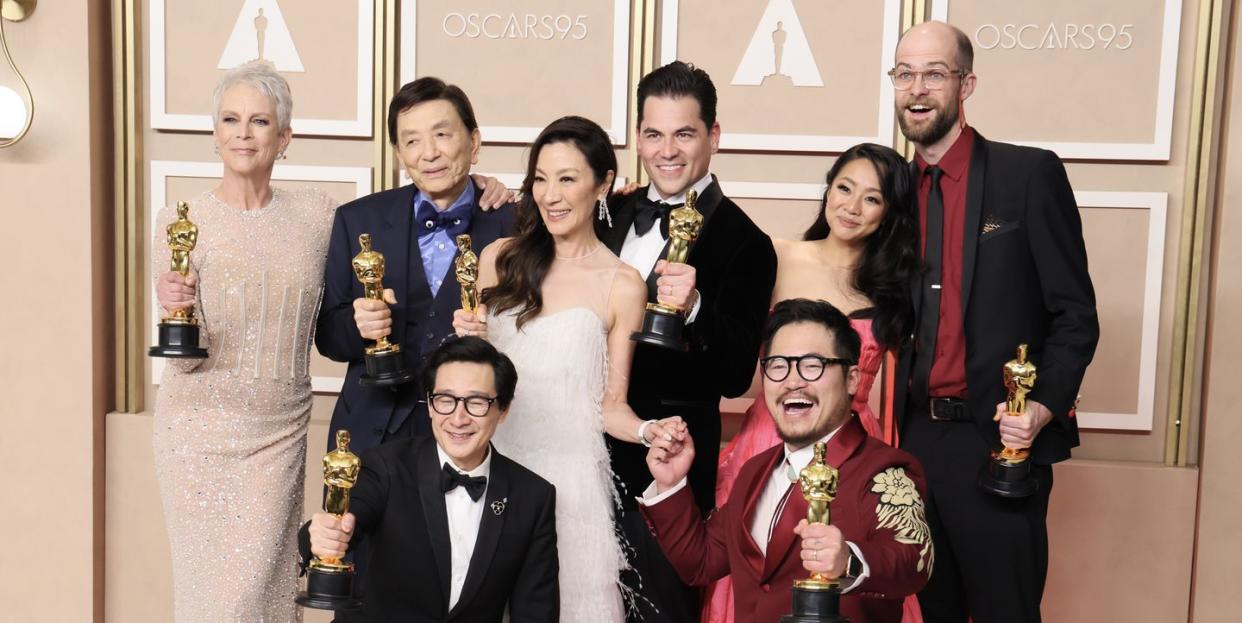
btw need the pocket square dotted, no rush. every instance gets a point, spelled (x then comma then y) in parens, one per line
(991, 223)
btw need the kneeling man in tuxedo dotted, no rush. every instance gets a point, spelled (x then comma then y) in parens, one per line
(458, 532)
(878, 544)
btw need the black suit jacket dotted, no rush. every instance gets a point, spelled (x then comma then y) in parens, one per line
(1024, 281)
(419, 321)
(399, 506)
(735, 268)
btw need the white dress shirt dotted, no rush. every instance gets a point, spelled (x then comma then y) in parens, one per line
(464, 515)
(642, 252)
(772, 500)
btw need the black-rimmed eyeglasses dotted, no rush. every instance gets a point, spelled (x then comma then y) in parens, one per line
(446, 404)
(810, 367)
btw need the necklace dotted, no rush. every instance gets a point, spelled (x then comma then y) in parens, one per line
(584, 255)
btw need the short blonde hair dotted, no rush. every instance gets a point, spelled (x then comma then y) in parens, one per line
(262, 76)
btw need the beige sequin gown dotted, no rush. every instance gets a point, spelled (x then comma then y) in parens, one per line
(230, 430)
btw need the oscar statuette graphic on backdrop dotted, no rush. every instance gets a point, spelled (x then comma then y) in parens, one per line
(178, 331)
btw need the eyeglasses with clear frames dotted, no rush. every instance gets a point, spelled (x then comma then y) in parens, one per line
(446, 404)
(934, 79)
(810, 367)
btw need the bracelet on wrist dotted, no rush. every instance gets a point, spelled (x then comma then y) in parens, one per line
(642, 433)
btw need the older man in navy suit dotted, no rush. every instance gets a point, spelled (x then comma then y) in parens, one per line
(433, 127)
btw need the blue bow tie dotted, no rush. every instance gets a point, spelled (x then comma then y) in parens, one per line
(453, 221)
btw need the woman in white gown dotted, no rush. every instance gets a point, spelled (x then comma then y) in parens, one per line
(562, 307)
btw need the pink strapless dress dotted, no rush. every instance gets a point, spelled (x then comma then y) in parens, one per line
(758, 434)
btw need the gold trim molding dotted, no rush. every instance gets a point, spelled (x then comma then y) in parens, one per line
(130, 383)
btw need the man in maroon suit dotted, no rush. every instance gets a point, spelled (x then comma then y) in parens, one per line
(878, 543)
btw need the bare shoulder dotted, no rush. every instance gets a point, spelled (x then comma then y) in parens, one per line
(629, 286)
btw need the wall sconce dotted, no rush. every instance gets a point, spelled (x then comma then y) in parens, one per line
(15, 119)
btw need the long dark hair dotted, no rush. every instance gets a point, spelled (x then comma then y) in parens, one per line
(522, 265)
(890, 255)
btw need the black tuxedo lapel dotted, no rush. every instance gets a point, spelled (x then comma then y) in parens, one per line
(916, 281)
(490, 527)
(432, 499)
(974, 214)
(706, 204)
(622, 219)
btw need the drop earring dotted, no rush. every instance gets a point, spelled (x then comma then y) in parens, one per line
(604, 214)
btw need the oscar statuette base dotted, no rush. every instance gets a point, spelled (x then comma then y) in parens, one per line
(178, 340)
(815, 606)
(1008, 479)
(329, 588)
(385, 369)
(662, 328)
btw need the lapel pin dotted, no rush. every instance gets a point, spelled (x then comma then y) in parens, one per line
(498, 507)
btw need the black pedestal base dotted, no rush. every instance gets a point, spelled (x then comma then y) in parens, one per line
(815, 607)
(329, 590)
(662, 329)
(178, 341)
(1008, 480)
(385, 370)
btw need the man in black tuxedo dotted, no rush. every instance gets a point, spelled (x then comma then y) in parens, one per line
(1005, 264)
(436, 510)
(433, 127)
(725, 286)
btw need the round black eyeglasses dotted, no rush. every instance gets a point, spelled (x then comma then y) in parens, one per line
(446, 404)
(810, 367)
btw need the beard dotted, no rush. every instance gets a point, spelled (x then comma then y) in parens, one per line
(800, 439)
(942, 121)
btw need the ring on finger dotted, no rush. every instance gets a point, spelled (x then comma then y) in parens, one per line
(815, 555)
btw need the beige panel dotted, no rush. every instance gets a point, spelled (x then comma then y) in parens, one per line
(55, 194)
(525, 63)
(1117, 254)
(845, 41)
(1085, 71)
(1121, 537)
(1217, 565)
(197, 34)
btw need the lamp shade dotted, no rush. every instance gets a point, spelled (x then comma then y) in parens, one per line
(12, 113)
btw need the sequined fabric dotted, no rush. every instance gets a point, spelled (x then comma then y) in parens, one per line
(230, 430)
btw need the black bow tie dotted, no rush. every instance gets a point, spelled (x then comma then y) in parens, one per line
(451, 479)
(647, 212)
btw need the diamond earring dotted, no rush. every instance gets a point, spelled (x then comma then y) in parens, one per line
(604, 214)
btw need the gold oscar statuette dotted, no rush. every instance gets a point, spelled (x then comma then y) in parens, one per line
(384, 362)
(817, 598)
(664, 325)
(818, 481)
(1008, 473)
(466, 266)
(329, 581)
(179, 331)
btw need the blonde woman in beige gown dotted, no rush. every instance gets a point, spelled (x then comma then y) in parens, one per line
(230, 430)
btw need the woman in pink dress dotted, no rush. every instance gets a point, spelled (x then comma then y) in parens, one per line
(858, 255)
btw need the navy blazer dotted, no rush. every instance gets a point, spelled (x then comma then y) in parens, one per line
(420, 322)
